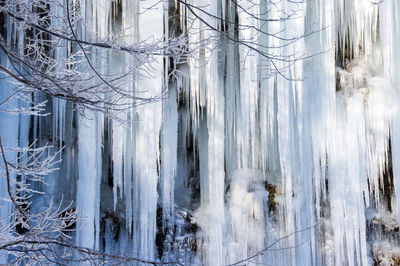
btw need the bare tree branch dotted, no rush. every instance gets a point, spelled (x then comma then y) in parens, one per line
(45, 239)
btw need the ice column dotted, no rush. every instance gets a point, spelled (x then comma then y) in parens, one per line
(146, 129)
(90, 130)
(210, 215)
(389, 16)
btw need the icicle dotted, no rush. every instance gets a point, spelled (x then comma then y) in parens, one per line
(88, 187)
(169, 153)
(89, 144)
(357, 23)
(210, 215)
(118, 137)
(248, 83)
(59, 105)
(389, 15)
(348, 183)
(146, 130)
(232, 97)
(169, 138)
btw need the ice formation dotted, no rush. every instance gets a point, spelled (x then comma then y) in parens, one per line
(278, 142)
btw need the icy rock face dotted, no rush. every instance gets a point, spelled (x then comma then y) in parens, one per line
(386, 253)
(291, 161)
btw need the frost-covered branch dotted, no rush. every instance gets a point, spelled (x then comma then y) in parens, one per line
(260, 39)
(29, 237)
(52, 52)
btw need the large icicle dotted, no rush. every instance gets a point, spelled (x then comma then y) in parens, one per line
(247, 196)
(169, 145)
(146, 130)
(248, 84)
(169, 134)
(88, 186)
(318, 118)
(389, 16)
(295, 177)
(130, 21)
(90, 130)
(210, 215)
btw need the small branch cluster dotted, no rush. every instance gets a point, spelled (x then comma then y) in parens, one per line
(53, 53)
(29, 237)
(267, 42)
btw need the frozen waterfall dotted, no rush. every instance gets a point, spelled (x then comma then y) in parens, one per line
(276, 143)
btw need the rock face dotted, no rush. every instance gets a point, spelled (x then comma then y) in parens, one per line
(386, 253)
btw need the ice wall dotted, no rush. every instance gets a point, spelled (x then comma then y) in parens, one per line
(276, 143)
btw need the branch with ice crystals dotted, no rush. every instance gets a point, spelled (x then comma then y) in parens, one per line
(35, 163)
(49, 27)
(28, 106)
(43, 237)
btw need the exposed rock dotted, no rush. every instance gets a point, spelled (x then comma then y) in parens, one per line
(271, 196)
(382, 223)
(111, 222)
(385, 253)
